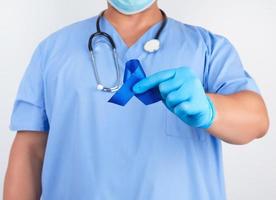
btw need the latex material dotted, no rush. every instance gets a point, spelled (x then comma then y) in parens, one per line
(130, 7)
(183, 94)
(133, 74)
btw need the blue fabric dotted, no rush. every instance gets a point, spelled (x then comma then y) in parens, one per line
(133, 74)
(183, 94)
(99, 150)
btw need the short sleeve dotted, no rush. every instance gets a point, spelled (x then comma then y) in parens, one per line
(225, 72)
(29, 108)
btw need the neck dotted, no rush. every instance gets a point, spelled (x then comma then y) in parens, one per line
(140, 20)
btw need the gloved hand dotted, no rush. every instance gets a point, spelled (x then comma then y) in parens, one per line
(183, 94)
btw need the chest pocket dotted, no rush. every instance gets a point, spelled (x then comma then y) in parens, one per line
(175, 127)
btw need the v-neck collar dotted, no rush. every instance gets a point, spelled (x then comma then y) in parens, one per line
(136, 50)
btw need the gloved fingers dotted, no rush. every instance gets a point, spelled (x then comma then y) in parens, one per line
(176, 97)
(153, 81)
(186, 108)
(169, 86)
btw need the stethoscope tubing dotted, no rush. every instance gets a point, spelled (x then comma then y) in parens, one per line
(99, 32)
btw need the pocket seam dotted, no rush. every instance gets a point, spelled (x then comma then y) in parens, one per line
(196, 136)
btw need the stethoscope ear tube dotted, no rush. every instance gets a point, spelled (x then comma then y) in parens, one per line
(100, 86)
(102, 34)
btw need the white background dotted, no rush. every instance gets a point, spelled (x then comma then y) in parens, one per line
(250, 170)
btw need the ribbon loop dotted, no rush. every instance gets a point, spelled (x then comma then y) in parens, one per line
(133, 74)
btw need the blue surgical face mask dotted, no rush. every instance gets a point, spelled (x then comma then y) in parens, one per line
(130, 7)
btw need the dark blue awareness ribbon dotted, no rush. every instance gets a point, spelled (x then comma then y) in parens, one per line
(133, 74)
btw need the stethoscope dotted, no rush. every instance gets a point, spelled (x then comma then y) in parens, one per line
(150, 46)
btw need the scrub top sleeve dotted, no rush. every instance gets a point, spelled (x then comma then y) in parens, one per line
(28, 112)
(225, 72)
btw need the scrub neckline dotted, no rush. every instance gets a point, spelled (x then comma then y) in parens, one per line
(137, 48)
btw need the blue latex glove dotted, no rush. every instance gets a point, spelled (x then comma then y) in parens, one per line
(183, 94)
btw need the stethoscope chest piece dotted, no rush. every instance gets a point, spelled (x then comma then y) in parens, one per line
(152, 46)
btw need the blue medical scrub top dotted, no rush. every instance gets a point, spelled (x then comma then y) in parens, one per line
(101, 151)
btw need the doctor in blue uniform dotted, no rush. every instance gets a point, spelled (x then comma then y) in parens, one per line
(100, 149)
